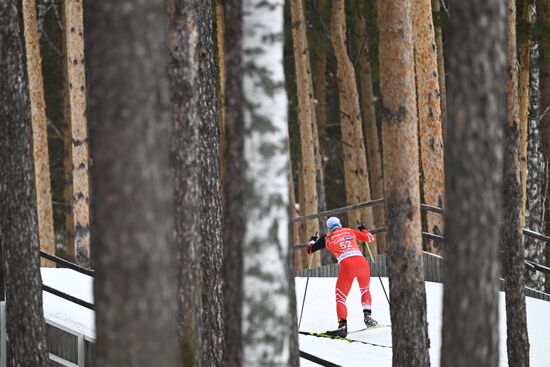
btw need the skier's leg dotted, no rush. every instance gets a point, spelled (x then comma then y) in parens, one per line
(363, 278)
(343, 285)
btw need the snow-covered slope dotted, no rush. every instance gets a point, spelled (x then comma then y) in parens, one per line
(320, 315)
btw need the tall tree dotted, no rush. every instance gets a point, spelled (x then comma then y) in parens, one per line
(306, 119)
(543, 16)
(211, 203)
(183, 70)
(39, 130)
(233, 191)
(77, 129)
(473, 163)
(511, 234)
(267, 313)
(438, 28)
(432, 177)
(220, 36)
(132, 213)
(356, 175)
(19, 242)
(369, 120)
(526, 15)
(401, 185)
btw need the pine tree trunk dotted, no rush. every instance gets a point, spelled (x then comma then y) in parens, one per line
(511, 235)
(19, 242)
(523, 88)
(183, 71)
(369, 123)
(220, 36)
(306, 118)
(77, 129)
(294, 227)
(402, 199)
(356, 175)
(211, 203)
(234, 216)
(39, 131)
(436, 9)
(543, 15)
(473, 163)
(267, 325)
(432, 177)
(134, 289)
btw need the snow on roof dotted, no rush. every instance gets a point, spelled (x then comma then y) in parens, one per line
(320, 315)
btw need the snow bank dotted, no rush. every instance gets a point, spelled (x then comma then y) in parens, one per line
(320, 315)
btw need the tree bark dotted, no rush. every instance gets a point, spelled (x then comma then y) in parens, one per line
(234, 216)
(306, 118)
(432, 177)
(536, 177)
(473, 163)
(77, 129)
(543, 15)
(183, 71)
(134, 288)
(267, 325)
(511, 235)
(370, 126)
(356, 175)
(438, 27)
(402, 199)
(211, 203)
(523, 88)
(220, 36)
(39, 131)
(19, 242)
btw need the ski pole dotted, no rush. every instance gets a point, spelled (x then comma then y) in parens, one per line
(305, 291)
(377, 272)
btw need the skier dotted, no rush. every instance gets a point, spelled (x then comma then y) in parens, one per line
(342, 242)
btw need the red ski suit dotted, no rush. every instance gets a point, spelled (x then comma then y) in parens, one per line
(342, 242)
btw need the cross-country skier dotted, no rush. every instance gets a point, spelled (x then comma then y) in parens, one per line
(342, 242)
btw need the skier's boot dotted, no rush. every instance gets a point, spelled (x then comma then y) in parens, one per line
(369, 321)
(342, 330)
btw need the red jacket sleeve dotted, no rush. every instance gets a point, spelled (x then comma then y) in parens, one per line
(364, 235)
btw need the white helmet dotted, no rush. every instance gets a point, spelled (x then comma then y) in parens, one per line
(333, 223)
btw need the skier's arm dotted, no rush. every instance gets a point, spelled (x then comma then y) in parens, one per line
(315, 245)
(363, 235)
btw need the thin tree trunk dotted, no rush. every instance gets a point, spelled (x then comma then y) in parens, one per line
(294, 227)
(39, 131)
(183, 70)
(402, 202)
(543, 15)
(267, 325)
(356, 175)
(432, 177)
(523, 80)
(77, 129)
(438, 27)
(19, 242)
(134, 288)
(211, 203)
(370, 126)
(511, 235)
(306, 118)
(220, 36)
(234, 216)
(473, 163)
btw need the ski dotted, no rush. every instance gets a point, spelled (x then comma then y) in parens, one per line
(333, 337)
(379, 326)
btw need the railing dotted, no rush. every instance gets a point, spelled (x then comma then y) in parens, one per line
(531, 265)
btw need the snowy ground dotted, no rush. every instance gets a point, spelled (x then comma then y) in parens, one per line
(66, 313)
(320, 315)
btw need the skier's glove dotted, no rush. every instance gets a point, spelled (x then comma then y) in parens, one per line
(309, 249)
(361, 227)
